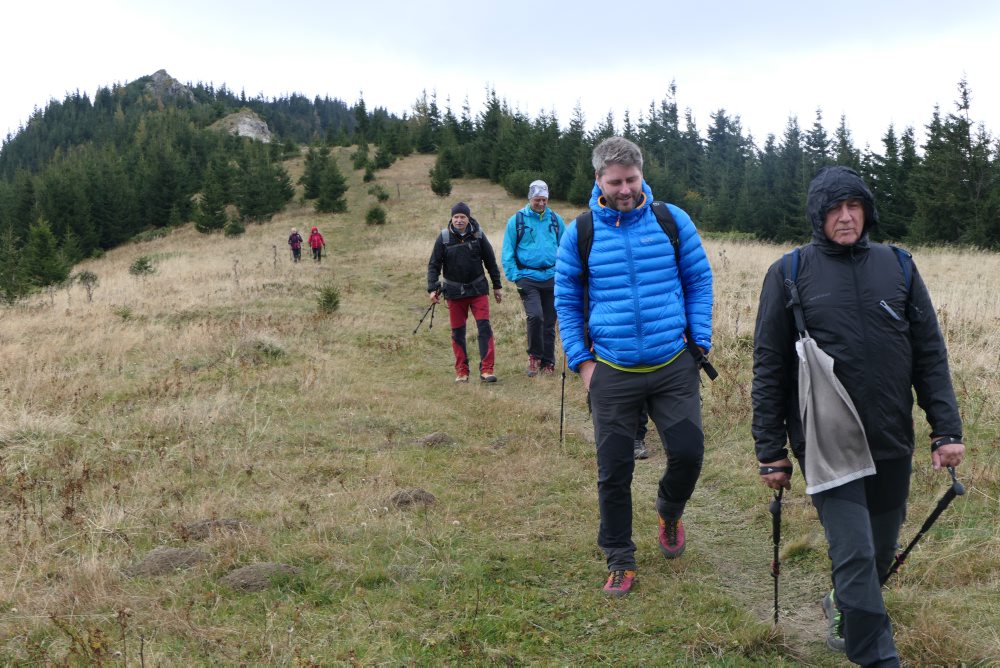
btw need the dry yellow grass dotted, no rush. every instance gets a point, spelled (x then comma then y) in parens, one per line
(215, 389)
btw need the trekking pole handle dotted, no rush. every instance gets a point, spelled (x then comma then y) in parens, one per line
(955, 484)
(775, 510)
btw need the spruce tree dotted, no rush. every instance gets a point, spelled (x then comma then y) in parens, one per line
(211, 213)
(312, 176)
(332, 191)
(844, 152)
(817, 146)
(43, 263)
(12, 278)
(440, 177)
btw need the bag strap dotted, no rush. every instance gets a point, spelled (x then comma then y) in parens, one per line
(790, 271)
(520, 227)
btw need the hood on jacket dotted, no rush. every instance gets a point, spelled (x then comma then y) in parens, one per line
(597, 206)
(831, 186)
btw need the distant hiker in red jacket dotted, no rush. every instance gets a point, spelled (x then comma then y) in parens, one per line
(295, 241)
(317, 244)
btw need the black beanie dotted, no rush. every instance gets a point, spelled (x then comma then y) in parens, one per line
(461, 207)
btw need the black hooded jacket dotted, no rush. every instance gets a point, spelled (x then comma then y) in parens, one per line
(885, 342)
(461, 260)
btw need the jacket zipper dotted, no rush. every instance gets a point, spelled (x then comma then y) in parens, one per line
(888, 309)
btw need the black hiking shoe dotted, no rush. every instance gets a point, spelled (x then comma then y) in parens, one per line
(671, 537)
(834, 624)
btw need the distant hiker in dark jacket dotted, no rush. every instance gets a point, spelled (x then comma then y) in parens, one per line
(882, 334)
(295, 241)
(636, 301)
(460, 253)
(529, 261)
(317, 244)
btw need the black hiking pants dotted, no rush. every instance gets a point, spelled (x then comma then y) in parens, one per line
(540, 309)
(672, 397)
(861, 520)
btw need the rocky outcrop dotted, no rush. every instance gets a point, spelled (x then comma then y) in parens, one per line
(244, 123)
(162, 87)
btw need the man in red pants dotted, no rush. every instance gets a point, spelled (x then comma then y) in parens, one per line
(460, 252)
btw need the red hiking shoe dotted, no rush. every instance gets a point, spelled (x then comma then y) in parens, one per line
(619, 583)
(671, 537)
(533, 365)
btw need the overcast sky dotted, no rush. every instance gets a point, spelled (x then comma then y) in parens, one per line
(874, 62)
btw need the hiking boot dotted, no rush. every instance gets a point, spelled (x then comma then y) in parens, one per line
(533, 364)
(488, 377)
(640, 450)
(548, 369)
(619, 583)
(834, 624)
(671, 537)
(462, 378)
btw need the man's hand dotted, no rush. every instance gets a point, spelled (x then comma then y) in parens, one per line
(498, 295)
(435, 297)
(778, 479)
(948, 455)
(586, 372)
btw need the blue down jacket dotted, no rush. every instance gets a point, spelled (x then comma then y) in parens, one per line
(640, 300)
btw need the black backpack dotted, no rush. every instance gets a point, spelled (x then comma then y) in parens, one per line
(446, 235)
(584, 242)
(790, 272)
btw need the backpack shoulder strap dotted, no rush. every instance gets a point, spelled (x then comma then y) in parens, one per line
(584, 242)
(790, 273)
(790, 265)
(906, 264)
(519, 229)
(445, 236)
(669, 225)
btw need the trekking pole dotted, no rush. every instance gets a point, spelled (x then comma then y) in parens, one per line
(775, 510)
(562, 404)
(956, 489)
(430, 309)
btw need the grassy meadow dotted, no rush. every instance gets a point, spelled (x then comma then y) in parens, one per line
(407, 520)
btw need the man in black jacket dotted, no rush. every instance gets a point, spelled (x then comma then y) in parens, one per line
(460, 252)
(866, 307)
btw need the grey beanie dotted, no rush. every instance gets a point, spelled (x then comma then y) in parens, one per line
(538, 189)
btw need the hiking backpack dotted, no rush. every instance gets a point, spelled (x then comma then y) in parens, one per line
(584, 242)
(519, 228)
(790, 272)
(446, 235)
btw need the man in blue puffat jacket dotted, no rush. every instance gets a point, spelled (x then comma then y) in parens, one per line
(639, 304)
(529, 261)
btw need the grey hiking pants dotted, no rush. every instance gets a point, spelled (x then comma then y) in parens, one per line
(861, 520)
(616, 397)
